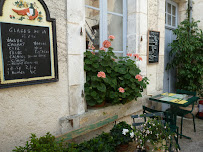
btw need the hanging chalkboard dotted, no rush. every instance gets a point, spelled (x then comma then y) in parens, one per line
(28, 52)
(153, 46)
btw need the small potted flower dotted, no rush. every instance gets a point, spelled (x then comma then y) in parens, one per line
(122, 134)
(153, 136)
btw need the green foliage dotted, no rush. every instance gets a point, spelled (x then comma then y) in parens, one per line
(187, 53)
(101, 143)
(153, 131)
(118, 74)
(118, 135)
(46, 143)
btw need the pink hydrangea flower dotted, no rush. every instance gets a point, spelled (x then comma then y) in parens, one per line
(101, 74)
(106, 44)
(102, 48)
(121, 90)
(111, 37)
(129, 54)
(139, 77)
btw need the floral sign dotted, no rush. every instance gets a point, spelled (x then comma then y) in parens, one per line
(26, 10)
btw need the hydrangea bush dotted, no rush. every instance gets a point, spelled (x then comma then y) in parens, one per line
(112, 79)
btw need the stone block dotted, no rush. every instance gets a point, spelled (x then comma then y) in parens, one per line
(131, 6)
(75, 42)
(76, 11)
(76, 71)
(132, 45)
(143, 6)
(152, 76)
(161, 46)
(132, 23)
(161, 28)
(143, 24)
(143, 44)
(143, 65)
(76, 103)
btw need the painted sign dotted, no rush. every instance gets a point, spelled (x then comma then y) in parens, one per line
(28, 52)
(153, 46)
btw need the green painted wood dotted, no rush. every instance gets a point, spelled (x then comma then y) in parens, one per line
(85, 130)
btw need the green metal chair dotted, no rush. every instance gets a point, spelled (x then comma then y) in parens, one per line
(183, 112)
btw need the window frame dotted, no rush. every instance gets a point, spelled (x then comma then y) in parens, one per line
(103, 8)
(166, 13)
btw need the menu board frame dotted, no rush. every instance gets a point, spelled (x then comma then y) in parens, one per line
(149, 48)
(53, 51)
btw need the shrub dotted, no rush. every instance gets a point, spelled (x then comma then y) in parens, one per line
(101, 143)
(45, 143)
(122, 133)
(186, 51)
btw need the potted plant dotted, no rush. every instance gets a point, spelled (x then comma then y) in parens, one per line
(153, 136)
(122, 134)
(112, 79)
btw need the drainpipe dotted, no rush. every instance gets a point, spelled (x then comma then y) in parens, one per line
(190, 10)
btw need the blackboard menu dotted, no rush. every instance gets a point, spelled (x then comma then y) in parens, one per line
(153, 46)
(26, 51)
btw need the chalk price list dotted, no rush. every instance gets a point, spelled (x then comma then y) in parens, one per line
(26, 51)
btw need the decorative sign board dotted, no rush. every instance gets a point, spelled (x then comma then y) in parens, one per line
(28, 49)
(153, 46)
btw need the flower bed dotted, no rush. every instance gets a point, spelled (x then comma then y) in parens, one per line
(121, 134)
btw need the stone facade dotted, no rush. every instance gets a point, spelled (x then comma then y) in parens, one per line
(49, 107)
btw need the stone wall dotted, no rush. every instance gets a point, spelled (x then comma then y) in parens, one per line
(37, 108)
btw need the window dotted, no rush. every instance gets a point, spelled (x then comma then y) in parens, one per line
(171, 14)
(104, 18)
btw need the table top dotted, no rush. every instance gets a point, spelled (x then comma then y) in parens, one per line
(175, 99)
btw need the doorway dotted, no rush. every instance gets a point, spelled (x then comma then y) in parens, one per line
(171, 19)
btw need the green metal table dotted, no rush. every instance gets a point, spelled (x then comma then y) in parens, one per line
(175, 100)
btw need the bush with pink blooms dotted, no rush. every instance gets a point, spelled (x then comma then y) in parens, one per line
(112, 79)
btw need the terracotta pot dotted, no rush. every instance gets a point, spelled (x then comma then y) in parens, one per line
(149, 147)
(100, 105)
(122, 147)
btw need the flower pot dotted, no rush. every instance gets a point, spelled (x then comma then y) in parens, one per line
(122, 147)
(150, 148)
(100, 105)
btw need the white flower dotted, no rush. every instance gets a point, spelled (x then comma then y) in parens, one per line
(148, 140)
(125, 131)
(153, 124)
(132, 134)
(151, 132)
(165, 127)
(147, 131)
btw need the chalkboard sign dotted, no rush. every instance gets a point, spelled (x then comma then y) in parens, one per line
(153, 46)
(28, 49)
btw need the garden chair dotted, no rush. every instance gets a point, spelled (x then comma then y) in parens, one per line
(183, 112)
